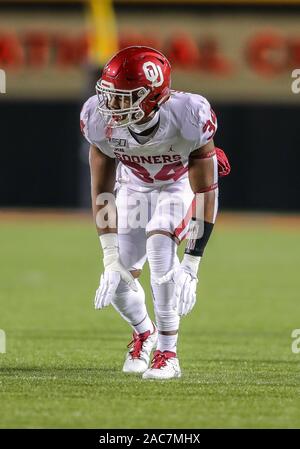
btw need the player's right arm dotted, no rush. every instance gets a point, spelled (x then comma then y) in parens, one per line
(103, 175)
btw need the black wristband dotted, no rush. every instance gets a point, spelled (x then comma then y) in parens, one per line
(200, 233)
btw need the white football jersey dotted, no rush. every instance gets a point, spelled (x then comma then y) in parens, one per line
(187, 122)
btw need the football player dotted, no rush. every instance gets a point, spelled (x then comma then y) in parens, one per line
(153, 147)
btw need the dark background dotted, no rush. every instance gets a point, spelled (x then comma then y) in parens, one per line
(40, 163)
(44, 160)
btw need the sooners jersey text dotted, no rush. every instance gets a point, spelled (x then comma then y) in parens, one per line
(187, 122)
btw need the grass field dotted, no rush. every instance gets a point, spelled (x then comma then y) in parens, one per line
(63, 362)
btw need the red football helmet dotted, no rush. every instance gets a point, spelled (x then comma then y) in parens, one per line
(140, 79)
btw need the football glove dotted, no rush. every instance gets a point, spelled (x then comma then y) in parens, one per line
(114, 272)
(223, 163)
(185, 279)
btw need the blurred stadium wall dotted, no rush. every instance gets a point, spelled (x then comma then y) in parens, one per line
(240, 56)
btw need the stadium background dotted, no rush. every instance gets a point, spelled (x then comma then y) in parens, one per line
(61, 367)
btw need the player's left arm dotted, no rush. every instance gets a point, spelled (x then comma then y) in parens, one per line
(205, 165)
(203, 177)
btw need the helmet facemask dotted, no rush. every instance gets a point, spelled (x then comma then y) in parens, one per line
(130, 110)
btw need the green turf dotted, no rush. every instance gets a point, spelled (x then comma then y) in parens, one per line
(63, 362)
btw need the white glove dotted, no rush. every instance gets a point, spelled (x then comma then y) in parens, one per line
(185, 278)
(114, 272)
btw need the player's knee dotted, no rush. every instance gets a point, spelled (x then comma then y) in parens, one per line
(166, 317)
(126, 300)
(161, 254)
(123, 287)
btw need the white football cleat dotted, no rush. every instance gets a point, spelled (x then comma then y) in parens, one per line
(138, 358)
(165, 365)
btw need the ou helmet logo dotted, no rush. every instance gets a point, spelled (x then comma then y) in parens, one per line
(153, 73)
